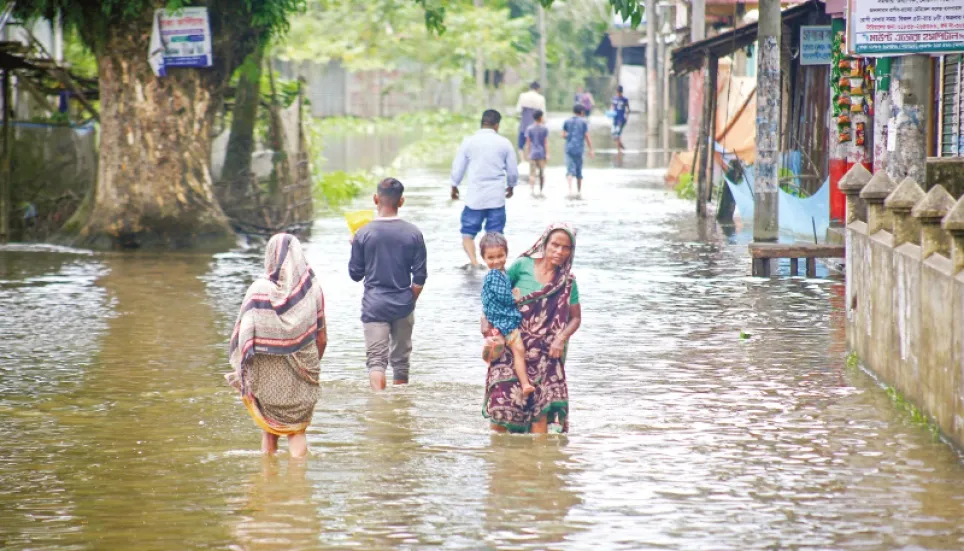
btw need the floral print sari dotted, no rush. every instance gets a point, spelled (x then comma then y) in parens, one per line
(545, 314)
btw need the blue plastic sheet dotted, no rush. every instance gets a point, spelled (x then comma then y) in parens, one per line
(798, 216)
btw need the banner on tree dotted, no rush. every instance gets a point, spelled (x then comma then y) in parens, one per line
(180, 38)
(894, 27)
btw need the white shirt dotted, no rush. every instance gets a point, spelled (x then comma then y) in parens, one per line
(488, 160)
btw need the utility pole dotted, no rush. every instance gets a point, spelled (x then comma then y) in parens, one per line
(543, 75)
(480, 65)
(697, 33)
(652, 85)
(667, 108)
(909, 89)
(766, 189)
(882, 108)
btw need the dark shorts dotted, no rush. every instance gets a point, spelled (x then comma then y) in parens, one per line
(574, 165)
(472, 221)
(618, 126)
(522, 139)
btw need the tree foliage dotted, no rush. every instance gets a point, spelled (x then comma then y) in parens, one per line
(94, 18)
(436, 11)
(386, 34)
(574, 28)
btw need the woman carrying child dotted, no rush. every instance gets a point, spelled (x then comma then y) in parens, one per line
(550, 315)
(499, 308)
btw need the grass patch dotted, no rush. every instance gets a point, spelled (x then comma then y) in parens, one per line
(685, 188)
(913, 413)
(336, 189)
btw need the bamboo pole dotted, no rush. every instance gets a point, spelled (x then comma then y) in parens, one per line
(704, 138)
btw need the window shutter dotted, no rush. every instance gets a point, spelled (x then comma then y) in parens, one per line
(951, 105)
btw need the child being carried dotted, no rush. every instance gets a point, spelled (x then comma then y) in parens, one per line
(499, 307)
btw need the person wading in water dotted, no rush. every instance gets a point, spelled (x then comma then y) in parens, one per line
(389, 254)
(488, 161)
(278, 341)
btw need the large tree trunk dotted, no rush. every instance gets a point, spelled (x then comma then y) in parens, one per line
(154, 185)
(237, 160)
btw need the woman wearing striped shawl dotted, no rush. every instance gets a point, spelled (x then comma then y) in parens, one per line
(277, 345)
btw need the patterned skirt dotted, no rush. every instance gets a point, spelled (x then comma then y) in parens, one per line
(504, 403)
(283, 390)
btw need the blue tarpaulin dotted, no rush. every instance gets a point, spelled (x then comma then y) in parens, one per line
(797, 215)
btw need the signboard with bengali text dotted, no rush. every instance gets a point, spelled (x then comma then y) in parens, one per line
(180, 38)
(816, 45)
(880, 28)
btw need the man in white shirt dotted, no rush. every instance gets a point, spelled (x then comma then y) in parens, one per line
(529, 102)
(488, 161)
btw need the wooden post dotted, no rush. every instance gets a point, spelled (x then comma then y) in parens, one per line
(761, 267)
(769, 100)
(6, 165)
(706, 153)
(794, 266)
(811, 267)
(713, 77)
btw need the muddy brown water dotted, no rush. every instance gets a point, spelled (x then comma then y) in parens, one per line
(118, 433)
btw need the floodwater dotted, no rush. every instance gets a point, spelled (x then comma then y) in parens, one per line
(118, 432)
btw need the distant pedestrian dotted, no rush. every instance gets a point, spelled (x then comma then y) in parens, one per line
(576, 133)
(584, 97)
(537, 151)
(529, 102)
(487, 160)
(389, 254)
(620, 107)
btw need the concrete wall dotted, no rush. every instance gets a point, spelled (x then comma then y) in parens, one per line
(905, 312)
(335, 91)
(946, 171)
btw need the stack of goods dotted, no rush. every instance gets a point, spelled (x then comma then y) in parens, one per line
(852, 82)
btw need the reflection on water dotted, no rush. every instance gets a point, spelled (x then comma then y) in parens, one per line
(278, 508)
(527, 496)
(119, 434)
(362, 151)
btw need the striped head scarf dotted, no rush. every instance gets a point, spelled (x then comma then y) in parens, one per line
(563, 278)
(282, 310)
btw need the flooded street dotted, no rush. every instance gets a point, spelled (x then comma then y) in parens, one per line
(119, 433)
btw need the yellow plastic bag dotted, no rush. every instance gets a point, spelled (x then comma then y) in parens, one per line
(357, 219)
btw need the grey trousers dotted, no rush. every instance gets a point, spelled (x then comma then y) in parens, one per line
(390, 342)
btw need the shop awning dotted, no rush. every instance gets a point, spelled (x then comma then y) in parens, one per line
(692, 56)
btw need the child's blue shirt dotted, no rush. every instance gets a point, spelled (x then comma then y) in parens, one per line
(498, 304)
